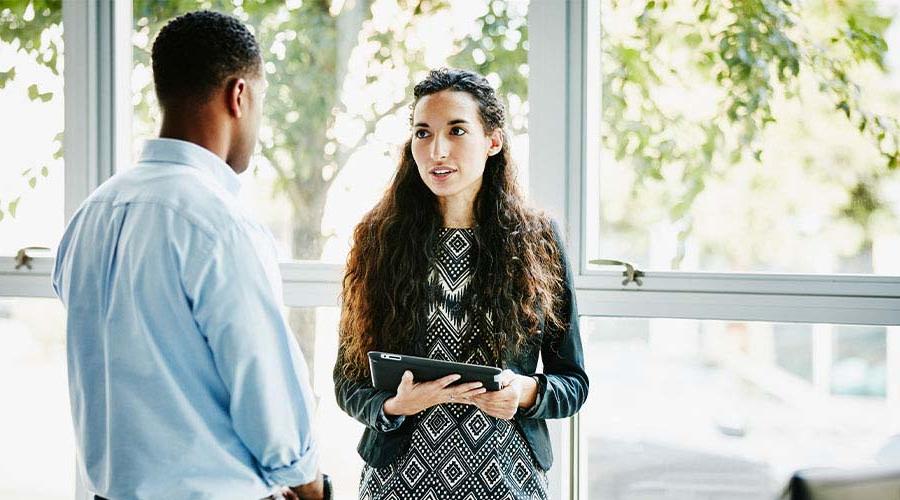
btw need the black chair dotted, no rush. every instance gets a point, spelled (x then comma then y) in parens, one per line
(875, 483)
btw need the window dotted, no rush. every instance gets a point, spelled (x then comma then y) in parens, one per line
(35, 426)
(704, 158)
(708, 409)
(31, 84)
(336, 121)
(338, 432)
(722, 305)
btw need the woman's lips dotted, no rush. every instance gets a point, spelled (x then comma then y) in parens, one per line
(441, 173)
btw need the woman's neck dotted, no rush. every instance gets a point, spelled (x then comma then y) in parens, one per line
(457, 211)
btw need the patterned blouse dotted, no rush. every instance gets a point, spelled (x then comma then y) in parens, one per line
(457, 451)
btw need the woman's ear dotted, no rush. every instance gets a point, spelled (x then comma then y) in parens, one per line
(496, 141)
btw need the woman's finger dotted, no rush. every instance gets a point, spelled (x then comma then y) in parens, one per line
(463, 388)
(467, 395)
(443, 382)
(406, 381)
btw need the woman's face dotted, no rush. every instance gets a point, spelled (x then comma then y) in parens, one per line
(450, 145)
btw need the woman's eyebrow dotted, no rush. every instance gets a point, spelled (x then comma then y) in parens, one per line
(451, 122)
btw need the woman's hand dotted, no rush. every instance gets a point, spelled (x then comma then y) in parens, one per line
(518, 391)
(414, 397)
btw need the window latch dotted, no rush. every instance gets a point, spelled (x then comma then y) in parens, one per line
(23, 259)
(631, 273)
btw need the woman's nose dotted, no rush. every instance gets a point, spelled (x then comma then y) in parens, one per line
(439, 149)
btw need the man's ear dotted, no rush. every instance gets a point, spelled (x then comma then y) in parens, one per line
(496, 142)
(236, 94)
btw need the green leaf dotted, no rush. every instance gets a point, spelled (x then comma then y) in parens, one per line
(26, 172)
(1, 215)
(843, 106)
(44, 171)
(34, 94)
(7, 76)
(693, 39)
(13, 206)
(32, 182)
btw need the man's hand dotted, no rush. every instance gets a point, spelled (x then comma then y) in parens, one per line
(518, 391)
(414, 397)
(309, 491)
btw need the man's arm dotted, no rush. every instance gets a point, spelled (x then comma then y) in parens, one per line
(235, 305)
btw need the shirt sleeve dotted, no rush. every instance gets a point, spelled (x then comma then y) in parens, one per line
(236, 306)
(363, 402)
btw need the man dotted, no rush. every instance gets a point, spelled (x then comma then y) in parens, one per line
(184, 379)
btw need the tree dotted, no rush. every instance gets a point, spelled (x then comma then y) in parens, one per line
(744, 56)
(32, 28)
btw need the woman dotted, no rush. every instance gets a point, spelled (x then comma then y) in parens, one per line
(452, 265)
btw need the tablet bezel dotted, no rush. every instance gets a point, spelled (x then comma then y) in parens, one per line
(387, 370)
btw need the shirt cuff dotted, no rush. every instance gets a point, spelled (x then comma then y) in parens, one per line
(388, 424)
(303, 470)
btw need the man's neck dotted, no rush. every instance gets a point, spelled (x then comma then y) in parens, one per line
(200, 131)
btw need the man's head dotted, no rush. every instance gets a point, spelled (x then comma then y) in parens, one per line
(207, 70)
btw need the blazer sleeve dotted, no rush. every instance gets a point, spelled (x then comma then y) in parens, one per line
(563, 386)
(363, 402)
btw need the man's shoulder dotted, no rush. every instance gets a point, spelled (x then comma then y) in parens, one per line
(182, 191)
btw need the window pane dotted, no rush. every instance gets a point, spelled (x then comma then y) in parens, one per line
(746, 145)
(31, 125)
(37, 458)
(335, 121)
(338, 433)
(729, 410)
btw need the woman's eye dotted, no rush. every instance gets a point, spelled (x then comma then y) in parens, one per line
(421, 134)
(457, 131)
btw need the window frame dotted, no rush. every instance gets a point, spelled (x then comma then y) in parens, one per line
(98, 114)
(778, 297)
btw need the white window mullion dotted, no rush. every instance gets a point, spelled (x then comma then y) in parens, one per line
(97, 94)
(24, 282)
(311, 284)
(740, 307)
(556, 100)
(82, 127)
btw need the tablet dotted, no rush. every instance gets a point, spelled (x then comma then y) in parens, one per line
(387, 370)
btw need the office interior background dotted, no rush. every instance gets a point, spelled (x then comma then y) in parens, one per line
(741, 154)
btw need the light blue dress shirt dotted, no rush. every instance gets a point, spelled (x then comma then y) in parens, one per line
(184, 379)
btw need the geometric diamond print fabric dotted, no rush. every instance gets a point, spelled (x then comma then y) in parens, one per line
(457, 451)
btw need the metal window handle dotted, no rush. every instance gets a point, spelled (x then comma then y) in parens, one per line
(631, 273)
(23, 259)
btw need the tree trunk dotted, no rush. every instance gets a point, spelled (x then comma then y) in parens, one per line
(307, 239)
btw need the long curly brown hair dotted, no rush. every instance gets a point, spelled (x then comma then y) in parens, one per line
(518, 276)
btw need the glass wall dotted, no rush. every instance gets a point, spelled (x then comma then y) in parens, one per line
(337, 110)
(31, 100)
(715, 409)
(37, 458)
(746, 137)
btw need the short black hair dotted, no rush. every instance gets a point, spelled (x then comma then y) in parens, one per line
(195, 53)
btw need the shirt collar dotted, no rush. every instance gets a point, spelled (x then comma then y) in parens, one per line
(192, 155)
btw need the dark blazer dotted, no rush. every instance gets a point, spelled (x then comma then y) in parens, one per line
(563, 389)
